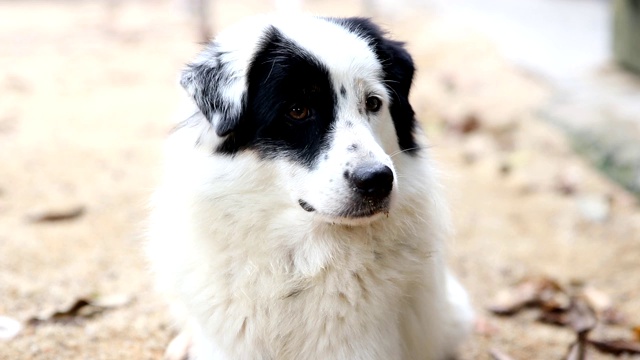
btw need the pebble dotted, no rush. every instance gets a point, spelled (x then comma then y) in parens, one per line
(594, 207)
(9, 328)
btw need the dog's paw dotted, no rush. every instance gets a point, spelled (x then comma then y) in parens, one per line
(180, 346)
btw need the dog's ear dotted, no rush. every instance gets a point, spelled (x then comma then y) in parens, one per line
(218, 92)
(398, 69)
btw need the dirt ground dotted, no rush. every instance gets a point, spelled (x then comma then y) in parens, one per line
(87, 93)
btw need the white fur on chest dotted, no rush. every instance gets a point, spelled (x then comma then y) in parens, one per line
(266, 281)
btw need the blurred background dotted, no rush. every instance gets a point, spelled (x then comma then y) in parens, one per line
(532, 107)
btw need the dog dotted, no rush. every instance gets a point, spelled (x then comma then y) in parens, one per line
(299, 215)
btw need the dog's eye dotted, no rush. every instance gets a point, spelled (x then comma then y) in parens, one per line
(373, 103)
(299, 112)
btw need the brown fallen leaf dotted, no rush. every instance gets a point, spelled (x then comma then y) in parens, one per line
(602, 304)
(581, 316)
(529, 292)
(617, 346)
(499, 355)
(81, 308)
(636, 333)
(559, 318)
(68, 313)
(55, 214)
(582, 319)
(555, 299)
(613, 317)
(577, 351)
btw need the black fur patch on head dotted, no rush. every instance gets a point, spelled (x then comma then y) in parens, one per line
(281, 77)
(398, 75)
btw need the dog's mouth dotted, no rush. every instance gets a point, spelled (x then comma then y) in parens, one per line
(306, 206)
(356, 212)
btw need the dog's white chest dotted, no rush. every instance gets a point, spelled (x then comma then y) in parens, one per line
(347, 309)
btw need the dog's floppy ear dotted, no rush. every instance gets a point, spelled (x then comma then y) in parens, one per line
(398, 69)
(218, 92)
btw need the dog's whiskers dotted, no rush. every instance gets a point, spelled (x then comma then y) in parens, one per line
(404, 150)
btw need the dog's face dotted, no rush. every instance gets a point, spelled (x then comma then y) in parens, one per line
(325, 99)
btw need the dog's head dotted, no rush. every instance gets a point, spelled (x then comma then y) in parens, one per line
(326, 99)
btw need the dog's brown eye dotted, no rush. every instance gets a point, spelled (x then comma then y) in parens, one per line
(373, 103)
(299, 112)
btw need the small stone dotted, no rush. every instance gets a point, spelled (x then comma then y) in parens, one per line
(594, 208)
(9, 328)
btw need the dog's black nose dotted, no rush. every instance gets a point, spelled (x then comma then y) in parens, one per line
(372, 180)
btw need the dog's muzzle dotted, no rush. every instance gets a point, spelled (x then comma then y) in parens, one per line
(370, 184)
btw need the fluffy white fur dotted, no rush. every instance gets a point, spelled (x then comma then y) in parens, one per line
(258, 277)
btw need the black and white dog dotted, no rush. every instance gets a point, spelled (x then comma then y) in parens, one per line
(299, 216)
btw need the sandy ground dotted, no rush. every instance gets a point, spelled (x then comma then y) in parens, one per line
(86, 97)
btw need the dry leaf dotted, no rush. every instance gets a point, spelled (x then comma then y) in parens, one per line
(578, 315)
(613, 317)
(582, 319)
(577, 351)
(559, 318)
(82, 308)
(554, 299)
(499, 355)
(529, 292)
(67, 313)
(617, 346)
(603, 306)
(56, 214)
(636, 333)
(9, 328)
(581, 316)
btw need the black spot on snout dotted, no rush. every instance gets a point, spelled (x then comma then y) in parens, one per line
(343, 91)
(352, 147)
